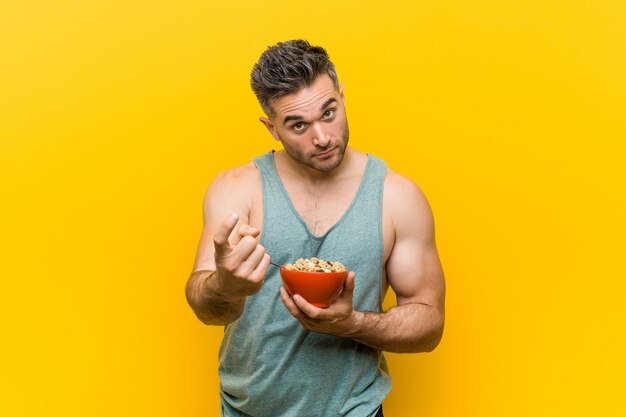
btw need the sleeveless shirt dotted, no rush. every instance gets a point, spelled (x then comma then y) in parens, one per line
(269, 365)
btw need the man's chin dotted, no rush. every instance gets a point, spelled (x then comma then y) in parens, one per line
(325, 165)
(320, 168)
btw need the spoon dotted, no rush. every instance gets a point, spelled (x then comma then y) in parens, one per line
(275, 264)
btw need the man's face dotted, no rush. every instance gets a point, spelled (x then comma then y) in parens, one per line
(311, 124)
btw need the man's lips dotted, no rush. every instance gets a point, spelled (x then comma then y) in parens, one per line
(325, 153)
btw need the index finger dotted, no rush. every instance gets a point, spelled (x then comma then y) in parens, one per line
(220, 239)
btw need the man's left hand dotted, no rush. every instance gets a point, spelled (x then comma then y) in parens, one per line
(337, 319)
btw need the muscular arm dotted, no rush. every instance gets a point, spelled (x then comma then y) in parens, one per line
(414, 272)
(230, 264)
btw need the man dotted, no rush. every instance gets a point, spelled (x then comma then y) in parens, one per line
(281, 356)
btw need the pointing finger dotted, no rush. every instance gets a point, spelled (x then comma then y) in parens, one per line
(220, 239)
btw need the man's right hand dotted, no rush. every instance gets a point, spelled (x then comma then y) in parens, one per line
(240, 265)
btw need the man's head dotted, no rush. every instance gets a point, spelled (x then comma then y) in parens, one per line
(297, 87)
(286, 68)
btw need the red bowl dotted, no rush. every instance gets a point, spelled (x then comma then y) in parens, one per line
(318, 288)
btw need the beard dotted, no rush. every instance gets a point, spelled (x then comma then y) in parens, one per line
(323, 164)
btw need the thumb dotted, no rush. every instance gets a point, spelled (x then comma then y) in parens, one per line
(246, 230)
(348, 286)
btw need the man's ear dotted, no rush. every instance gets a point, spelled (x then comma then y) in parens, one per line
(270, 127)
(341, 92)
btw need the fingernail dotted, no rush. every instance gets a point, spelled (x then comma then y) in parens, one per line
(235, 216)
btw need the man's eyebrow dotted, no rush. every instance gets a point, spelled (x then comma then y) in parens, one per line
(328, 103)
(298, 117)
(293, 117)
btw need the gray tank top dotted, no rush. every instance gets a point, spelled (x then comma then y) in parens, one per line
(269, 365)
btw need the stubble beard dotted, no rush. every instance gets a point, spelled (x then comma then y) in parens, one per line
(310, 161)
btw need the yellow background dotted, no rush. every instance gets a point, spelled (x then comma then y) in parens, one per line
(115, 116)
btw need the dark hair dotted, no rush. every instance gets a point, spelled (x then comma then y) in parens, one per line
(286, 68)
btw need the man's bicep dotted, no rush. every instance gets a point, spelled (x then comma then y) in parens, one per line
(413, 269)
(414, 273)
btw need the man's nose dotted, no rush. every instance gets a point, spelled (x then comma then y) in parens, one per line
(320, 138)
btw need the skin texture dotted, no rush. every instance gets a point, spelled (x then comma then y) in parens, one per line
(321, 174)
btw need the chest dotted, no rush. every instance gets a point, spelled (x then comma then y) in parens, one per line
(321, 208)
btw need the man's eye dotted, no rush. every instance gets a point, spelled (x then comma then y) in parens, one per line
(298, 126)
(328, 114)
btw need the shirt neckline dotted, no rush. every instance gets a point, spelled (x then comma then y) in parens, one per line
(297, 214)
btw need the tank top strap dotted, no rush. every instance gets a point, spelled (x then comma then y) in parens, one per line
(370, 194)
(270, 182)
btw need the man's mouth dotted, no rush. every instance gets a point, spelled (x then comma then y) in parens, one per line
(325, 153)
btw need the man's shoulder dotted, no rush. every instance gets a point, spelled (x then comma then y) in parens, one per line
(242, 173)
(403, 198)
(243, 179)
(398, 184)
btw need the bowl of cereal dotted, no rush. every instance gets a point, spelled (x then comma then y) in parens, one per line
(317, 281)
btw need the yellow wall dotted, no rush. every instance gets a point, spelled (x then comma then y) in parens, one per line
(115, 115)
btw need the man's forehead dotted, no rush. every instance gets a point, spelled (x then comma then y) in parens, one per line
(308, 98)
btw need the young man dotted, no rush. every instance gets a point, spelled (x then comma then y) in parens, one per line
(281, 356)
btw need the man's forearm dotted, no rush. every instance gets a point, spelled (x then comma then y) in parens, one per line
(206, 301)
(403, 329)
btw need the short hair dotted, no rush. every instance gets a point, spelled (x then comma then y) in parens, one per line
(288, 67)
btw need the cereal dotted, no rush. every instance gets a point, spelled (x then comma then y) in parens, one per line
(315, 265)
